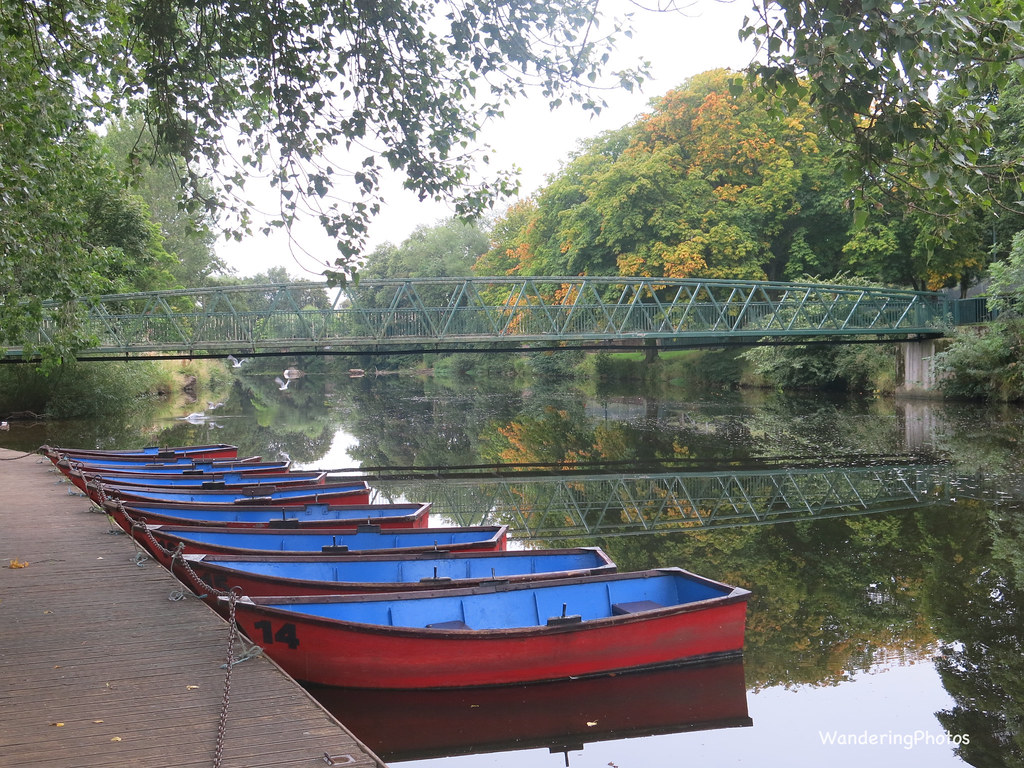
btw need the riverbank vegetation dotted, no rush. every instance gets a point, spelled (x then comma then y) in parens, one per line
(77, 390)
(782, 172)
(715, 183)
(987, 362)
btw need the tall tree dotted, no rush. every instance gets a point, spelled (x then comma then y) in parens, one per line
(189, 233)
(68, 225)
(508, 249)
(905, 87)
(321, 97)
(447, 249)
(709, 184)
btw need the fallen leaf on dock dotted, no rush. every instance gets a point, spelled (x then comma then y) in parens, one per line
(16, 563)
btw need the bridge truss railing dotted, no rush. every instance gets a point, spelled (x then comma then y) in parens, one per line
(375, 315)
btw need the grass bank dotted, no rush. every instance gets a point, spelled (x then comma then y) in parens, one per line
(83, 390)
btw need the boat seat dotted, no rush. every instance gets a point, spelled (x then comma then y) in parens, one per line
(288, 522)
(619, 609)
(449, 625)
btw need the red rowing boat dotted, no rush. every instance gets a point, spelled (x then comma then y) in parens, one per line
(157, 474)
(372, 572)
(162, 540)
(500, 634)
(150, 454)
(337, 493)
(308, 516)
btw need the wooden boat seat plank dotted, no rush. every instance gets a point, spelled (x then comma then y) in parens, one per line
(455, 624)
(620, 609)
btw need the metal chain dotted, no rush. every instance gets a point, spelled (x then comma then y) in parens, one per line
(179, 594)
(141, 556)
(178, 556)
(234, 634)
(222, 724)
(250, 651)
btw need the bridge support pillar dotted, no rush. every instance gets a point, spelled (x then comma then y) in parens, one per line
(917, 374)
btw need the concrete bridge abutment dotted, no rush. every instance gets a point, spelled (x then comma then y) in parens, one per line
(916, 373)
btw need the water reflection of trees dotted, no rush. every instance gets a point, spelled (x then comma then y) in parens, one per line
(263, 419)
(832, 597)
(974, 596)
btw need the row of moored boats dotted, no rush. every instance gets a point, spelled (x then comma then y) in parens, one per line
(341, 591)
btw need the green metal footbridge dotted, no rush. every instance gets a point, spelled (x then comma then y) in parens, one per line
(451, 314)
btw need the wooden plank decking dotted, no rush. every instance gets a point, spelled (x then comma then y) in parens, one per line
(99, 668)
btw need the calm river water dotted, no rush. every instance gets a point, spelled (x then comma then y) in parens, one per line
(881, 541)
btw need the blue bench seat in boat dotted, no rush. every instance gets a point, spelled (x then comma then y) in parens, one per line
(449, 625)
(618, 609)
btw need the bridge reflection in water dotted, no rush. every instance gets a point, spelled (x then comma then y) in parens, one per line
(579, 504)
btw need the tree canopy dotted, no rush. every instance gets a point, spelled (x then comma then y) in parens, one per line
(715, 183)
(907, 89)
(319, 98)
(68, 225)
(446, 249)
(708, 184)
(323, 99)
(189, 235)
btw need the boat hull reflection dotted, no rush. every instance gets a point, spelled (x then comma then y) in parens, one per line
(561, 716)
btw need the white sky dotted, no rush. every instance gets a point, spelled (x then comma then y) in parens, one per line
(537, 141)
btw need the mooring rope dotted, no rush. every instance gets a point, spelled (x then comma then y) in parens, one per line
(34, 452)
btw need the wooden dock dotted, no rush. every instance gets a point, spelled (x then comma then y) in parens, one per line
(98, 667)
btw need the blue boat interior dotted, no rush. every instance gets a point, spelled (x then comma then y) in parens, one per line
(111, 463)
(480, 566)
(198, 481)
(219, 497)
(355, 541)
(307, 513)
(540, 605)
(187, 469)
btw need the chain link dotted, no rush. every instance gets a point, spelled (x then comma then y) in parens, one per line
(222, 724)
(139, 527)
